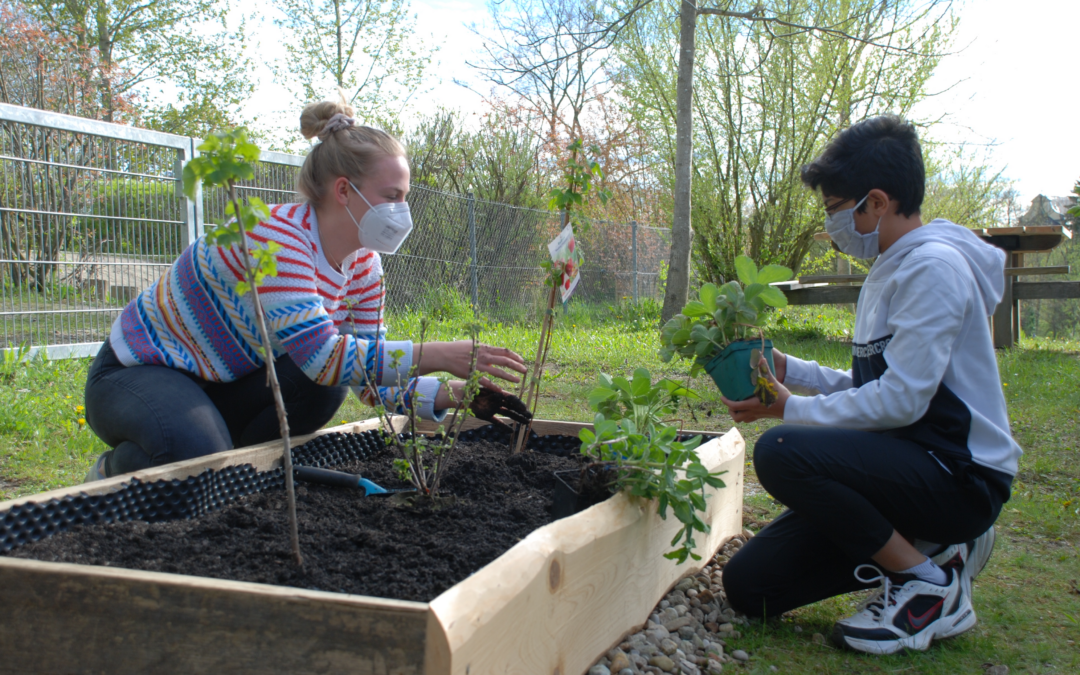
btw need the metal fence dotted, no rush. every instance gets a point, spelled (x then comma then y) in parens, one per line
(92, 213)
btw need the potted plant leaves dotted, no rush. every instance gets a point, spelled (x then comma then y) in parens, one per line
(722, 330)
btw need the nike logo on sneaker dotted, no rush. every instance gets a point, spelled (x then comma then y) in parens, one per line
(919, 622)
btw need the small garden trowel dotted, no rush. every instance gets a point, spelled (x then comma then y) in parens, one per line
(311, 474)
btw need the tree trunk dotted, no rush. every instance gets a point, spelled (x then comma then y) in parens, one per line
(678, 276)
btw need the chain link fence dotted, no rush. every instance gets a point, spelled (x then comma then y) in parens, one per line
(92, 213)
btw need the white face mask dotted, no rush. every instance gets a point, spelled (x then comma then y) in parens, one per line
(841, 228)
(384, 227)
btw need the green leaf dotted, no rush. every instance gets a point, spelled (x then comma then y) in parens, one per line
(746, 269)
(774, 296)
(708, 295)
(695, 308)
(772, 273)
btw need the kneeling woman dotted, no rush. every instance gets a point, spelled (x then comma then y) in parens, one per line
(182, 374)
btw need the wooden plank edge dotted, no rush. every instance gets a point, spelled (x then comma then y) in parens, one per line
(548, 427)
(212, 584)
(263, 457)
(1045, 290)
(78, 618)
(503, 618)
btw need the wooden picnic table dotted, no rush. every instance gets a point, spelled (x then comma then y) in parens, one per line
(827, 289)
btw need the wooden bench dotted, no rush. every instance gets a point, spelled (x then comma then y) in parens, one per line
(829, 289)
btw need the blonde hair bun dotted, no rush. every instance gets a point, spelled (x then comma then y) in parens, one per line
(316, 115)
(346, 149)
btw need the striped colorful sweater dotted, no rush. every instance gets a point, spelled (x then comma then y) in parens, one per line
(329, 323)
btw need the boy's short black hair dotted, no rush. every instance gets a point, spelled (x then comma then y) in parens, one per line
(881, 152)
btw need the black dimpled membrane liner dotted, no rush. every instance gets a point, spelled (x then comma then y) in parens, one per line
(175, 499)
(215, 488)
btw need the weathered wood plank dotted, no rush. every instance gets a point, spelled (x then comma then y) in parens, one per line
(1035, 271)
(831, 278)
(823, 295)
(570, 590)
(1046, 290)
(1009, 272)
(1002, 322)
(62, 618)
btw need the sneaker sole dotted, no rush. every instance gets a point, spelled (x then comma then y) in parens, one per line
(919, 642)
(944, 627)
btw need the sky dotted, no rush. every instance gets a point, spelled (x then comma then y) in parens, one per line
(1008, 88)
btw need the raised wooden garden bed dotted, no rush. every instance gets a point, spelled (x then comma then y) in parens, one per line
(551, 604)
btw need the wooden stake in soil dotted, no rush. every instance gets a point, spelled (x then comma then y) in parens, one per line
(533, 384)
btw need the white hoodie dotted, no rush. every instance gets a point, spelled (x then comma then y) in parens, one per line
(923, 364)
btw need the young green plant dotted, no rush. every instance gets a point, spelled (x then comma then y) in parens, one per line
(422, 460)
(646, 456)
(224, 159)
(722, 315)
(582, 176)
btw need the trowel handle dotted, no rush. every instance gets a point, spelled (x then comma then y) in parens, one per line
(327, 477)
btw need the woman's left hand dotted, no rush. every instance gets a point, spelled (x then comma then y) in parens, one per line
(455, 357)
(753, 409)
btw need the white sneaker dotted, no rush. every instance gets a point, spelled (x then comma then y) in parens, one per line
(905, 613)
(968, 559)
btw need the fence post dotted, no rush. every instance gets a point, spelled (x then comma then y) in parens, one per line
(472, 252)
(192, 207)
(633, 244)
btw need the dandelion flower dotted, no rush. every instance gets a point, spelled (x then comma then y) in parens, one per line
(82, 421)
(79, 409)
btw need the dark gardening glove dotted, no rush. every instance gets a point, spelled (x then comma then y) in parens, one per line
(488, 403)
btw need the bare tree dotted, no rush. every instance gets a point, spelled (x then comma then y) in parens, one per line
(900, 35)
(557, 77)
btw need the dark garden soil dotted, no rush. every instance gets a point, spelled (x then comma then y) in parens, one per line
(351, 543)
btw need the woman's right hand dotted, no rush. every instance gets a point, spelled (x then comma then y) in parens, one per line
(455, 357)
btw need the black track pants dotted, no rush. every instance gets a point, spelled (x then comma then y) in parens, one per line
(846, 491)
(153, 415)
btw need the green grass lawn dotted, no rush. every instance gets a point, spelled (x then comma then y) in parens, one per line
(1027, 599)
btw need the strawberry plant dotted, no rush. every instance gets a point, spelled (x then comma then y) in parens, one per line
(724, 315)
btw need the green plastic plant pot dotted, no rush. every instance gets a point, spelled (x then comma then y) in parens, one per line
(732, 371)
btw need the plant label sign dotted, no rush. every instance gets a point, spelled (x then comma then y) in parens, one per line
(564, 254)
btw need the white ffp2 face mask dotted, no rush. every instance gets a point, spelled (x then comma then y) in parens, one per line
(384, 227)
(841, 229)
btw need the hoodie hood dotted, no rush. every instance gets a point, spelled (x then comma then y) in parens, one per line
(987, 262)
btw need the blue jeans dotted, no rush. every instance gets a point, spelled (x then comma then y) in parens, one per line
(153, 415)
(846, 491)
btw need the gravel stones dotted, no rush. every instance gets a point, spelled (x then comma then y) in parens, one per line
(688, 632)
(599, 670)
(663, 663)
(619, 661)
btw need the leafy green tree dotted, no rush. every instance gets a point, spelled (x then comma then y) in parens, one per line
(180, 50)
(763, 107)
(368, 49)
